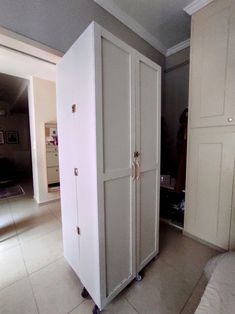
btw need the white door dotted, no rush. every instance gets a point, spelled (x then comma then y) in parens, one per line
(148, 102)
(212, 66)
(210, 171)
(118, 138)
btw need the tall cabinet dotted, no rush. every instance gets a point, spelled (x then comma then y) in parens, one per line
(108, 98)
(211, 141)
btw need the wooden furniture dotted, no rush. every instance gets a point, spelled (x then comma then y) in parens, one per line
(108, 98)
(52, 164)
(52, 159)
(211, 141)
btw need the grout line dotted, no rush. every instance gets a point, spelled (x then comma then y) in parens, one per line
(36, 271)
(28, 277)
(131, 305)
(194, 288)
(34, 297)
(78, 305)
(12, 283)
(22, 242)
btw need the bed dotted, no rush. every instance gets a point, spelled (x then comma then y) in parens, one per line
(219, 295)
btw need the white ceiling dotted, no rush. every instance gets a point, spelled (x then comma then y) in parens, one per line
(165, 20)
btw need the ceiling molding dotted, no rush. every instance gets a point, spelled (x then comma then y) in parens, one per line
(196, 5)
(180, 46)
(111, 7)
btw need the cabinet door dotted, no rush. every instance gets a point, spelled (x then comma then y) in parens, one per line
(115, 127)
(148, 95)
(210, 171)
(66, 96)
(212, 66)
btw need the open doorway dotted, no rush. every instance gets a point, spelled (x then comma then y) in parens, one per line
(174, 138)
(15, 147)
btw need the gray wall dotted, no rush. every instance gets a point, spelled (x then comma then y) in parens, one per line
(58, 23)
(175, 100)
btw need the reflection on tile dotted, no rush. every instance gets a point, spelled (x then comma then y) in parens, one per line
(8, 236)
(42, 251)
(56, 288)
(18, 299)
(12, 266)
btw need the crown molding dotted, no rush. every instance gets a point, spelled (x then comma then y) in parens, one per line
(180, 46)
(111, 7)
(196, 5)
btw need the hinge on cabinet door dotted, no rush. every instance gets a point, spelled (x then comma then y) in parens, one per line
(78, 230)
(73, 108)
(76, 172)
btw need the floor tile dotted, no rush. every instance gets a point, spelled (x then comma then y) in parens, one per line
(162, 290)
(84, 308)
(18, 299)
(192, 304)
(23, 208)
(8, 236)
(12, 267)
(55, 209)
(118, 306)
(56, 288)
(36, 225)
(185, 255)
(42, 251)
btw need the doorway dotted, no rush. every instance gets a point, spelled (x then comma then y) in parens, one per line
(174, 138)
(15, 149)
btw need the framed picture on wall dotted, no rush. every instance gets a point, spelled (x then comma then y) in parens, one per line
(2, 138)
(12, 137)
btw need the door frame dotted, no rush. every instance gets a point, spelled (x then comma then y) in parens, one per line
(26, 58)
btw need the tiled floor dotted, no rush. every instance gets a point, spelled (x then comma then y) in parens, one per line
(35, 278)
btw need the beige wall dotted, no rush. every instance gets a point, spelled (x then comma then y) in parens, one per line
(42, 108)
(175, 98)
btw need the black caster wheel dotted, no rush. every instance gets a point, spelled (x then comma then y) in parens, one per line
(85, 293)
(96, 310)
(138, 277)
(156, 258)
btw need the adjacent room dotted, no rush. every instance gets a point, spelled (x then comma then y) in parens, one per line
(15, 158)
(117, 157)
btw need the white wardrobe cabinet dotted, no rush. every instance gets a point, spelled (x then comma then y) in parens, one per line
(213, 65)
(108, 98)
(210, 209)
(210, 185)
